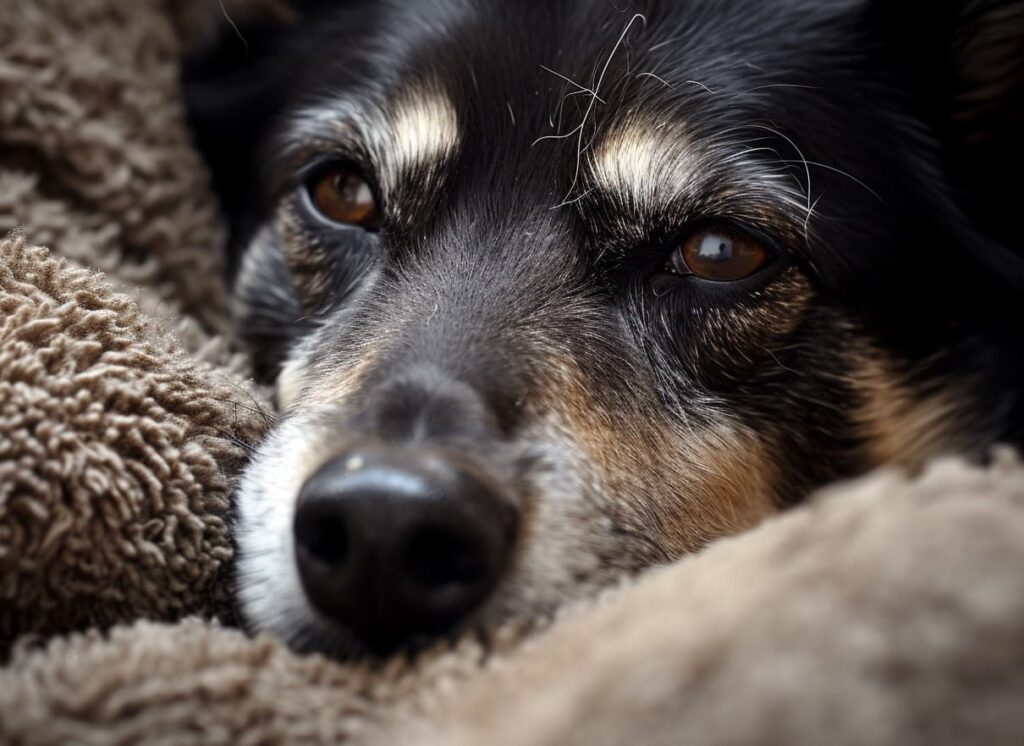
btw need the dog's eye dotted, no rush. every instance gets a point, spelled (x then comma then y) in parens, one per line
(719, 255)
(340, 194)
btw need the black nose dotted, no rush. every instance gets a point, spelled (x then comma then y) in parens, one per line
(394, 544)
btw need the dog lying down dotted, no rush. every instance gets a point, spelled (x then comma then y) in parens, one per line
(554, 292)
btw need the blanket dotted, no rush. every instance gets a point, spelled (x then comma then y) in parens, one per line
(890, 610)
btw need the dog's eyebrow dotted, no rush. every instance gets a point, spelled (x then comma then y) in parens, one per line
(408, 135)
(424, 129)
(646, 164)
(649, 166)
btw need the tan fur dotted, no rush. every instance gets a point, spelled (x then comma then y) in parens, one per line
(315, 396)
(648, 163)
(899, 425)
(988, 64)
(707, 482)
(337, 386)
(645, 162)
(424, 128)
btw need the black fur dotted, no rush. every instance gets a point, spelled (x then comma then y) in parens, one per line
(868, 88)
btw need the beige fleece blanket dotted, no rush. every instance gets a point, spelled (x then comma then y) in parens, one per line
(887, 611)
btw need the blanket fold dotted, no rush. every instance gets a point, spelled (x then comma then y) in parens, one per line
(115, 455)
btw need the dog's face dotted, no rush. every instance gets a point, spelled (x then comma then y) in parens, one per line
(559, 291)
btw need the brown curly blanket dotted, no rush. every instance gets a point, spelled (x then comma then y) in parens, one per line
(887, 611)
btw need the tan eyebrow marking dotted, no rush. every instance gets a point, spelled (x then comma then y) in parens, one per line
(648, 164)
(645, 163)
(423, 129)
(413, 130)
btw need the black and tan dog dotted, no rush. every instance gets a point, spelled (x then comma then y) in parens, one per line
(555, 290)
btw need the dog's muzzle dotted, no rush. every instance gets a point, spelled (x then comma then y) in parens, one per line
(401, 538)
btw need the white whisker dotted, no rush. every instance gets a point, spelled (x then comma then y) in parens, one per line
(839, 171)
(701, 85)
(234, 26)
(657, 78)
(807, 167)
(570, 81)
(579, 131)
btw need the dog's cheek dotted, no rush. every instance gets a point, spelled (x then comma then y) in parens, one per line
(308, 259)
(720, 481)
(304, 384)
(290, 384)
(661, 490)
(682, 490)
(264, 307)
(565, 547)
(728, 342)
(906, 424)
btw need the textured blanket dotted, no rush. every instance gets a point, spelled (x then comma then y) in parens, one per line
(886, 611)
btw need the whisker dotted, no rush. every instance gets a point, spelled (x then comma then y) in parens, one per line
(803, 159)
(657, 78)
(839, 171)
(570, 81)
(784, 85)
(234, 26)
(579, 131)
(701, 85)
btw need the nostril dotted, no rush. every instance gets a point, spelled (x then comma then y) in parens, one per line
(439, 557)
(323, 536)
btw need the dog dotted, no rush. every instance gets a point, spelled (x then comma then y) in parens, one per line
(553, 292)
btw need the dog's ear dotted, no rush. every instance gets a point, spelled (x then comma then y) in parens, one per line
(965, 59)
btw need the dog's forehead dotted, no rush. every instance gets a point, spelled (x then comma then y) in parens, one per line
(643, 116)
(510, 82)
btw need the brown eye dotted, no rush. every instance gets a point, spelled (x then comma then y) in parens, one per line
(341, 195)
(719, 255)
